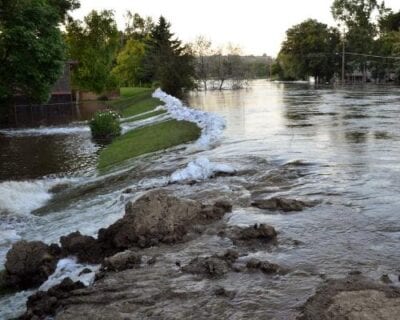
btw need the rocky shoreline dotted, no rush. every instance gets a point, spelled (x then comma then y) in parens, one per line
(135, 281)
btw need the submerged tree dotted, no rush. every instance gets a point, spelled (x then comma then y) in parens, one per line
(94, 43)
(166, 61)
(203, 51)
(32, 51)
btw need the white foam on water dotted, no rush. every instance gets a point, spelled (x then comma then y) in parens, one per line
(70, 268)
(8, 237)
(45, 131)
(12, 306)
(200, 169)
(129, 126)
(22, 197)
(211, 125)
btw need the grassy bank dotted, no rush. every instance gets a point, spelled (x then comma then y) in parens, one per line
(135, 101)
(138, 103)
(145, 140)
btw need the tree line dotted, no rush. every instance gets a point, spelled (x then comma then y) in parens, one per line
(225, 66)
(367, 36)
(37, 37)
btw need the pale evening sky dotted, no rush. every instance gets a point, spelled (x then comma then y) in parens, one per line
(258, 26)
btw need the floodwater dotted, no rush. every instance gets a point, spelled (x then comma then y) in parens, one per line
(339, 146)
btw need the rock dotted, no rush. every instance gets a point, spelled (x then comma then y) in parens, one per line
(262, 232)
(209, 266)
(353, 298)
(214, 266)
(222, 292)
(265, 266)
(122, 261)
(4, 286)
(253, 263)
(45, 304)
(29, 264)
(59, 187)
(157, 217)
(385, 279)
(226, 205)
(152, 261)
(283, 204)
(85, 271)
(231, 255)
(85, 248)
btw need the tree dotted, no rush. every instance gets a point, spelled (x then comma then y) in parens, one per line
(136, 27)
(389, 22)
(94, 43)
(166, 61)
(32, 51)
(309, 50)
(227, 66)
(129, 63)
(356, 17)
(202, 50)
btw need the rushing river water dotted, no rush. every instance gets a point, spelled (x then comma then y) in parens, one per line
(339, 146)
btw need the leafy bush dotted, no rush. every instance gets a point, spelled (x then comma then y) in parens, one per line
(105, 125)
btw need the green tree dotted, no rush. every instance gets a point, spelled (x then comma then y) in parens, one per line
(129, 64)
(94, 43)
(166, 61)
(389, 22)
(310, 50)
(356, 16)
(32, 51)
(137, 27)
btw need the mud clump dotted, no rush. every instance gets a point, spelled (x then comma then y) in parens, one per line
(282, 204)
(213, 266)
(29, 264)
(44, 304)
(253, 235)
(122, 261)
(353, 298)
(85, 248)
(265, 266)
(158, 217)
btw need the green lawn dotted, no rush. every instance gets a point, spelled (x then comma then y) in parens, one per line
(145, 140)
(134, 101)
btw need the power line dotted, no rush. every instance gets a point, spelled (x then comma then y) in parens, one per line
(371, 55)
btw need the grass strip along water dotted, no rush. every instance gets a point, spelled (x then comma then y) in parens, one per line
(155, 137)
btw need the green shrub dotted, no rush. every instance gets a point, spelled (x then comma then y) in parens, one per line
(105, 125)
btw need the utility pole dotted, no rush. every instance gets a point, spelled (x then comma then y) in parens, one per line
(343, 59)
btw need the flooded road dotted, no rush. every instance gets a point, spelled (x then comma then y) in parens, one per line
(337, 146)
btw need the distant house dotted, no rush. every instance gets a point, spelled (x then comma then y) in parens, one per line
(62, 91)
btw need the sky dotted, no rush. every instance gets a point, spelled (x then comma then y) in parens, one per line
(257, 26)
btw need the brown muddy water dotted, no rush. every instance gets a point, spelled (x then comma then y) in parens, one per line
(339, 146)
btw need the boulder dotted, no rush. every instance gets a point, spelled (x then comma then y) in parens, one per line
(157, 217)
(265, 266)
(208, 266)
(282, 204)
(352, 298)
(29, 264)
(261, 232)
(42, 305)
(213, 266)
(85, 248)
(122, 261)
